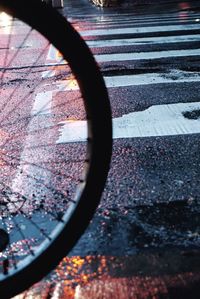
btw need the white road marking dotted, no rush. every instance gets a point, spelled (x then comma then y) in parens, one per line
(143, 41)
(158, 120)
(73, 131)
(42, 103)
(175, 76)
(52, 54)
(172, 77)
(48, 74)
(146, 55)
(135, 55)
(137, 21)
(150, 29)
(30, 176)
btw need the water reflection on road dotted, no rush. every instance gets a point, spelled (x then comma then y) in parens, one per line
(146, 275)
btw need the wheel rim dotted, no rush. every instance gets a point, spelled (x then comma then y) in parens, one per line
(46, 152)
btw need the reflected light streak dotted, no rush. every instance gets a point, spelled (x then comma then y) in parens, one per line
(78, 271)
(98, 277)
(103, 276)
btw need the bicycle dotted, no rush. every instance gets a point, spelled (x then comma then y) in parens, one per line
(51, 176)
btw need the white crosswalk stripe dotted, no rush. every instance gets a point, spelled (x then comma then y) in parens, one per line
(137, 30)
(143, 41)
(174, 76)
(146, 55)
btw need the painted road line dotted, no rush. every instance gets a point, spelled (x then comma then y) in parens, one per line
(128, 15)
(72, 131)
(133, 24)
(173, 77)
(151, 29)
(30, 175)
(143, 41)
(158, 120)
(102, 20)
(48, 74)
(42, 103)
(146, 55)
(134, 56)
(54, 56)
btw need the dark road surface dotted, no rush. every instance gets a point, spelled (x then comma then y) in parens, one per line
(157, 176)
(145, 235)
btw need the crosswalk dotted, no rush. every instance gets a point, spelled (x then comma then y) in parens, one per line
(150, 67)
(147, 52)
(144, 54)
(153, 83)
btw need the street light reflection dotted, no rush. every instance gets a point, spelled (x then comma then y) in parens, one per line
(76, 272)
(148, 275)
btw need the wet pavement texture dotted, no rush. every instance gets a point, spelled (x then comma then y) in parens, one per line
(144, 239)
(153, 209)
(160, 208)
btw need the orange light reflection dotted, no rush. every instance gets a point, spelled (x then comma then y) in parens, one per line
(113, 277)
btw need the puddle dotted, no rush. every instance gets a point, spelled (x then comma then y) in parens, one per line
(194, 114)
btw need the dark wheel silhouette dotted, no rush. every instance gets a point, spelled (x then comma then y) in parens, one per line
(55, 141)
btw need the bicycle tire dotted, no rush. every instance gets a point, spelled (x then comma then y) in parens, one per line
(19, 273)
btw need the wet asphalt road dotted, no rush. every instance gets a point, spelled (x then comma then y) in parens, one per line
(151, 196)
(151, 199)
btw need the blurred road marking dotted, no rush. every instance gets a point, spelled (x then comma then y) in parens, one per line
(134, 55)
(146, 55)
(136, 30)
(143, 41)
(172, 77)
(134, 21)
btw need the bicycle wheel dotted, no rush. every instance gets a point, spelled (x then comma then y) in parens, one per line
(55, 141)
